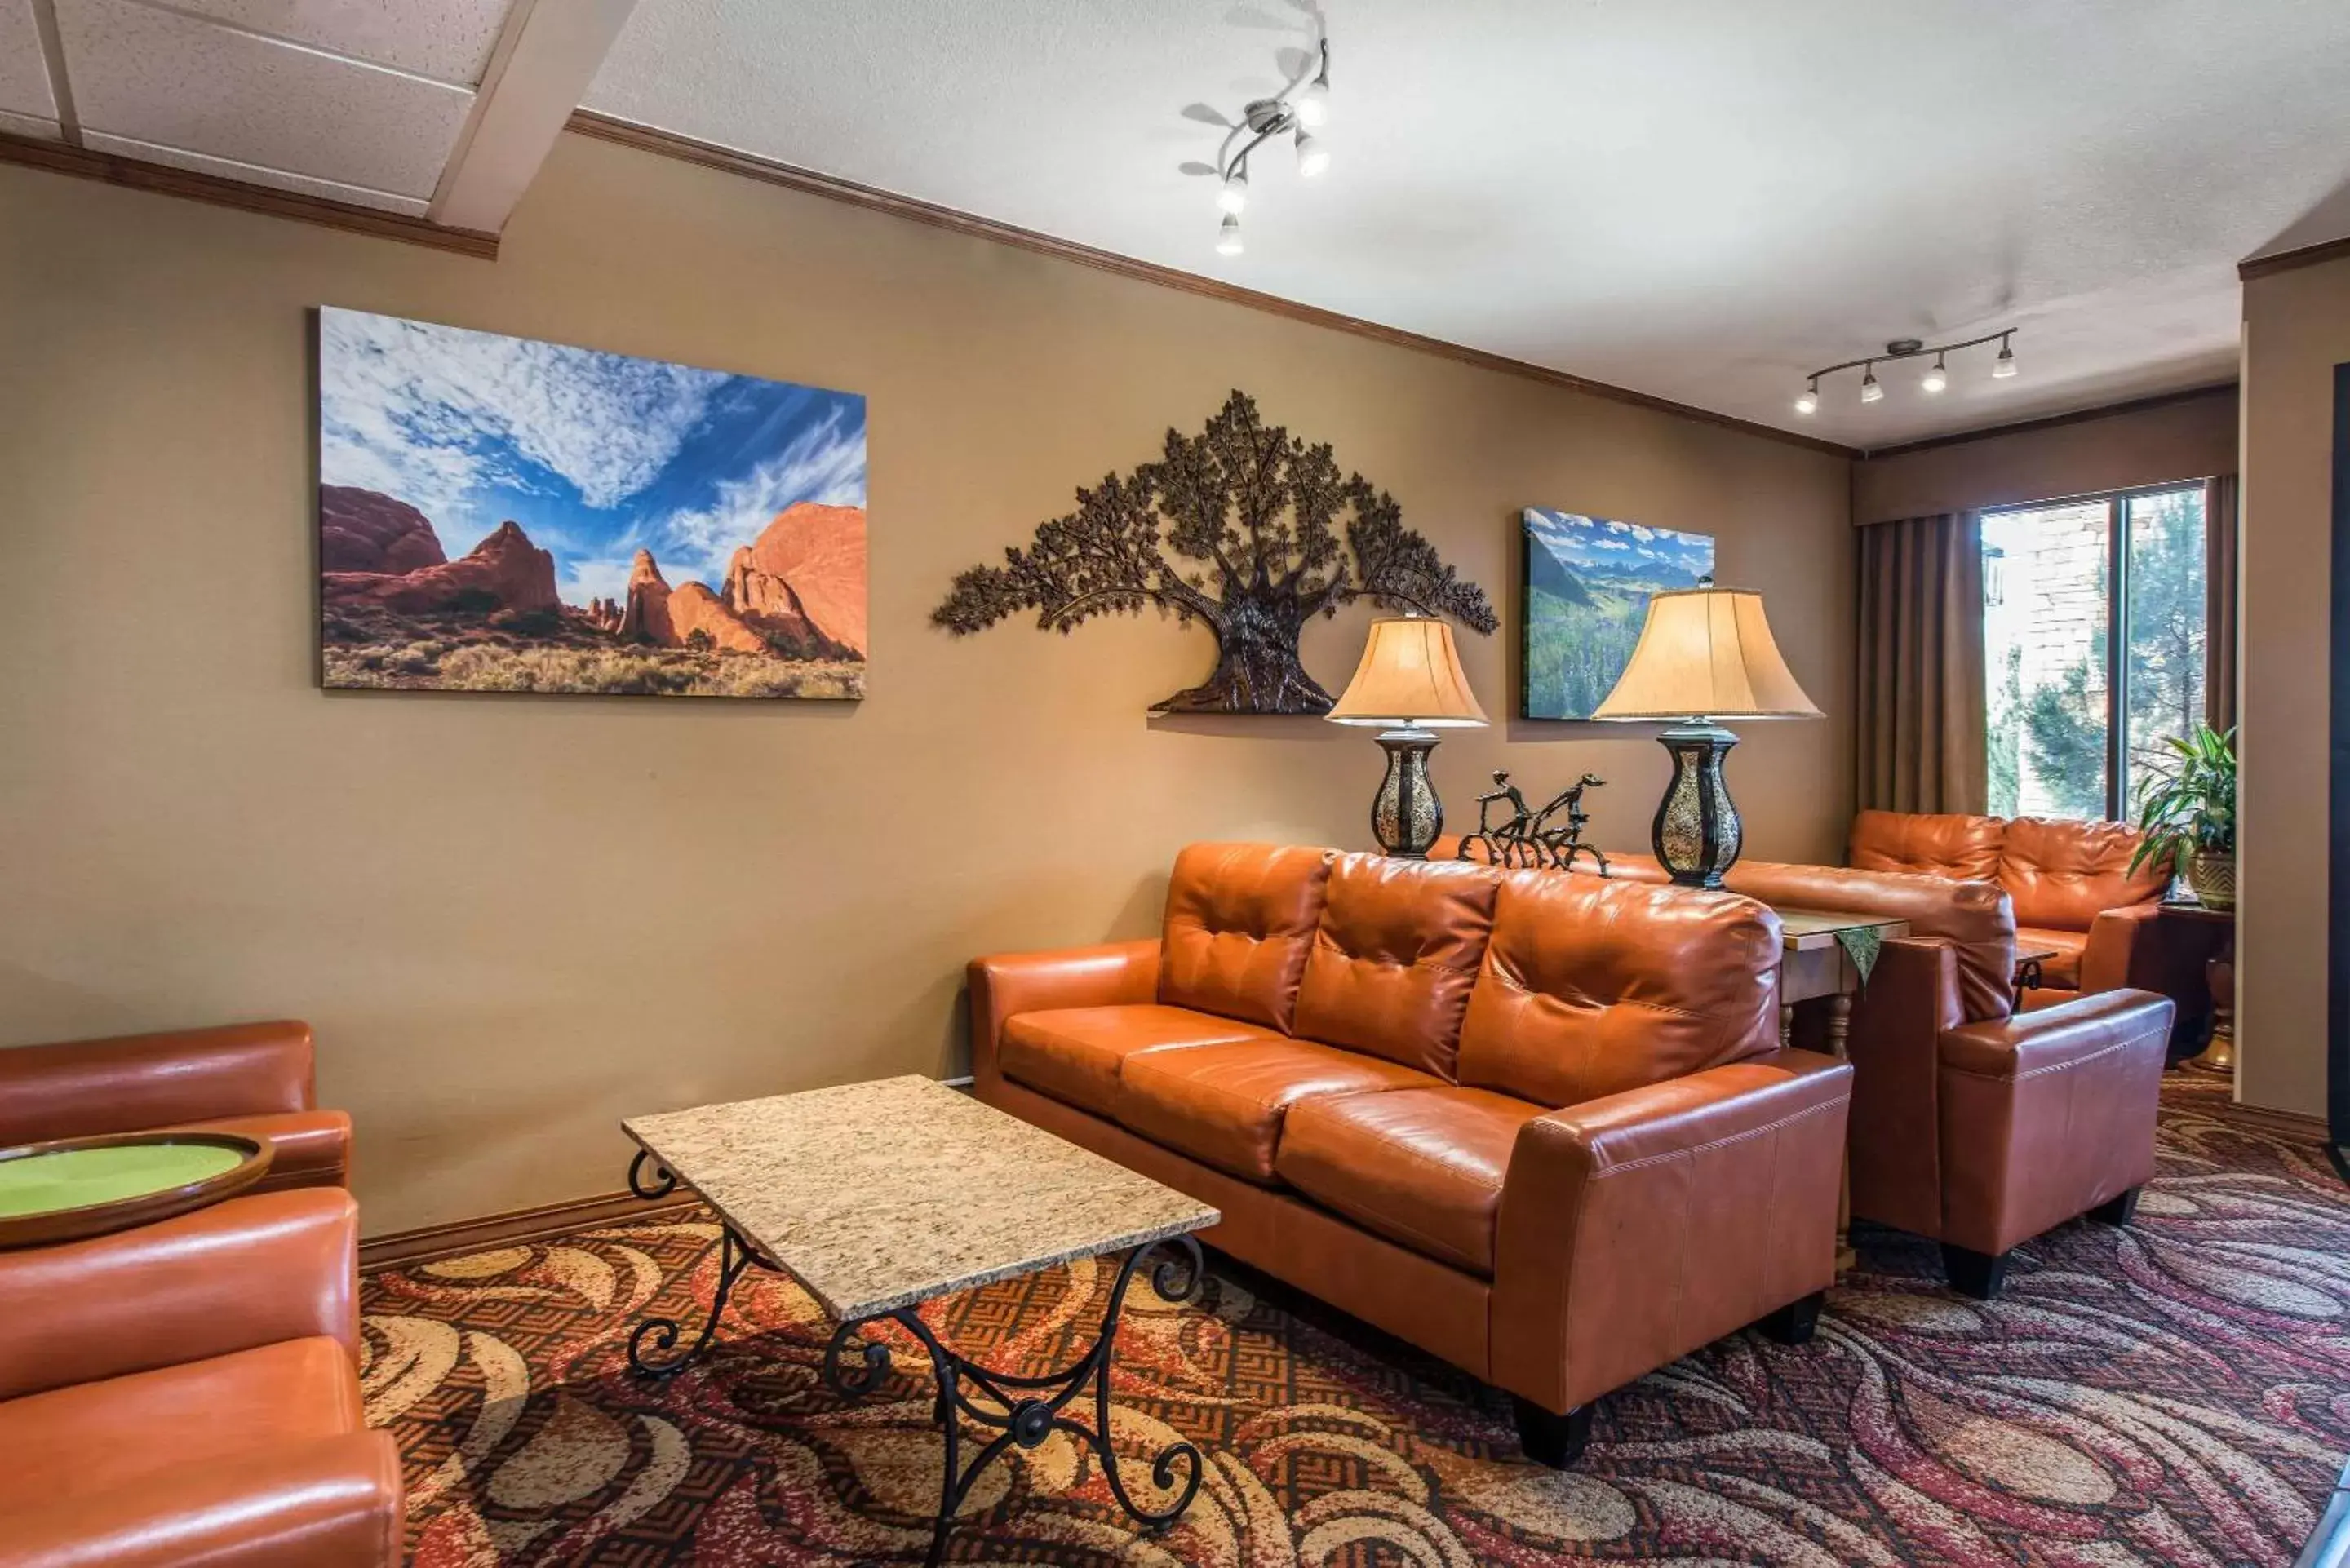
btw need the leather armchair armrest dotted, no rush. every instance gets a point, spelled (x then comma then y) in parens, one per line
(250, 1271)
(2121, 950)
(134, 1082)
(1110, 974)
(1640, 1226)
(2048, 1114)
(336, 1501)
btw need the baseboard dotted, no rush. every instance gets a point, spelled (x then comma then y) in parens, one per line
(513, 1227)
(2283, 1124)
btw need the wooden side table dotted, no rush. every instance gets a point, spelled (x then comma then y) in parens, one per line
(1814, 966)
(2220, 975)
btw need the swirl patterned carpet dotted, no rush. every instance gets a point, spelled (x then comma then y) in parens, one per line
(2175, 1394)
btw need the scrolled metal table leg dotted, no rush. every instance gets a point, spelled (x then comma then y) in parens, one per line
(734, 1258)
(662, 1182)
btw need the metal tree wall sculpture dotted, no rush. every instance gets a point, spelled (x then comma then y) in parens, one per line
(1237, 526)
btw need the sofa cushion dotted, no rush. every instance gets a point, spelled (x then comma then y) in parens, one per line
(1240, 920)
(2062, 973)
(1073, 1053)
(1420, 1166)
(1593, 985)
(1224, 1104)
(1394, 955)
(2063, 875)
(1938, 844)
(89, 1437)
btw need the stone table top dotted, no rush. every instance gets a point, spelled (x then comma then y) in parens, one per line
(877, 1196)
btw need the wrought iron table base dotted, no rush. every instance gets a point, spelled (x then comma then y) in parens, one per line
(1031, 1407)
(735, 1256)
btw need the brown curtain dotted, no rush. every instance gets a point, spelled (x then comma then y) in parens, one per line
(1921, 686)
(2219, 591)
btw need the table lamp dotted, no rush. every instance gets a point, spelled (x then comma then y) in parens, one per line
(1704, 653)
(1409, 681)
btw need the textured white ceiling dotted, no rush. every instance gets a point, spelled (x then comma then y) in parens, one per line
(27, 107)
(1697, 199)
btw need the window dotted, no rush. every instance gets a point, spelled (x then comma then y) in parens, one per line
(2071, 591)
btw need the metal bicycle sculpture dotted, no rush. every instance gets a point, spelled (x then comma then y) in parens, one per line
(1031, 1407)
(1532, 838)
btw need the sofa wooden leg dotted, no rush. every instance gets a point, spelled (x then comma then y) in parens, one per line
(2119, 1212)
(1795, 1323)
(1974, 1273)
(1551, 1439)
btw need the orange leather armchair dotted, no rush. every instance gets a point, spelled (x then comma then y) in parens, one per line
(187, 1392)
(250, 1079)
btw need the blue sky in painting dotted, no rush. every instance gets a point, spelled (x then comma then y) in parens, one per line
(596, 455)
(1599, 545)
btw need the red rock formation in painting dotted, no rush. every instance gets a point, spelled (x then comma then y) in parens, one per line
(368, 531)
(694, 608)
(504, 572)
(646, 617)
(806, 570)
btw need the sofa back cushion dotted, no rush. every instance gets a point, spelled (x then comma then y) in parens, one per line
(2063, 875)
(1393, 961)
(1240, 921)
(1592, 986)
(1938, 844)
(1975, 918)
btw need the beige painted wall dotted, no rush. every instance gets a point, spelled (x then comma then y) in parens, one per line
(512, 920)
(2193, 438)
(2296, 330)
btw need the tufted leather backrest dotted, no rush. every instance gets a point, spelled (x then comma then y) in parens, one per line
(1939, 843)
(1593, 986)
(1398, 950)
(1240, 921)
(2063, 874)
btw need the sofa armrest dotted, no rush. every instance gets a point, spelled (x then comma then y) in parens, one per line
(1898, 1021)
(1110, 974)
(250, 1271)
(2121, 950)
(134, 1082)
(334, 1500)
(1636, 1227)
(2048, 1114)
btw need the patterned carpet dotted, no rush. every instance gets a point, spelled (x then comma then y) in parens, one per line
(2175, 1394)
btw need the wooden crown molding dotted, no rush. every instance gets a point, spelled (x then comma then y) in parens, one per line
(2051, 422)
(58, 158)
(808, 181)
(2293, 260)
(514, 1227)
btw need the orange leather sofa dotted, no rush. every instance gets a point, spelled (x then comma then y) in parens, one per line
(1539, 1126)
(249, 1078)
(1973, 1124)
(188, 1392)
(2071, 882)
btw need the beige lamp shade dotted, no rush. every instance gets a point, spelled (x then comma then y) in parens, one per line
(1410, 675)
(1706, 653)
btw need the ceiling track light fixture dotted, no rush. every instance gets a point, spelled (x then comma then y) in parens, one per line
(1296, 111)
(1937, 376)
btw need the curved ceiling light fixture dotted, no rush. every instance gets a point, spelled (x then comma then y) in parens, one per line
(1296, 111)
(1936, 379)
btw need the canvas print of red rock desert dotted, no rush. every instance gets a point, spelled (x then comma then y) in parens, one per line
(501, 514)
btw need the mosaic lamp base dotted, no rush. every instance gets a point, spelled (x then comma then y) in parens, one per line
(1406, 815)
(1697, 832)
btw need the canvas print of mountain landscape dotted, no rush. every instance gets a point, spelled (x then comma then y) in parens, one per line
(501, 514)
(1587, 585)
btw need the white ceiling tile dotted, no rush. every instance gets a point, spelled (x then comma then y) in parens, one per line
(254, 174)
(448, 40)
(24, 73)
(174, 81)
(28, 125)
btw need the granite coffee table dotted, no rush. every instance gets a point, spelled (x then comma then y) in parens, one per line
(876, 1197)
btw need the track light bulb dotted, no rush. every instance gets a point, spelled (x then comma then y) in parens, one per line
(1313, 158)
(1935, 379)
(1232, 197)
(1228, 236)
(1872, 390)
(1807, 401)
(2004, 366)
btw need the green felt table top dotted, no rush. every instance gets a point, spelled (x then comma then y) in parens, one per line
(81, 1177)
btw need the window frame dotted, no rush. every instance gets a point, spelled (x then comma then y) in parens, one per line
(2116, 611)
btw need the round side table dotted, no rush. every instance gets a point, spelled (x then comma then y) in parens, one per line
(74, 1187)
(2220, 975)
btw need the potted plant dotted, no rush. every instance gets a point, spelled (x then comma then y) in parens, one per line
(2187, 815)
